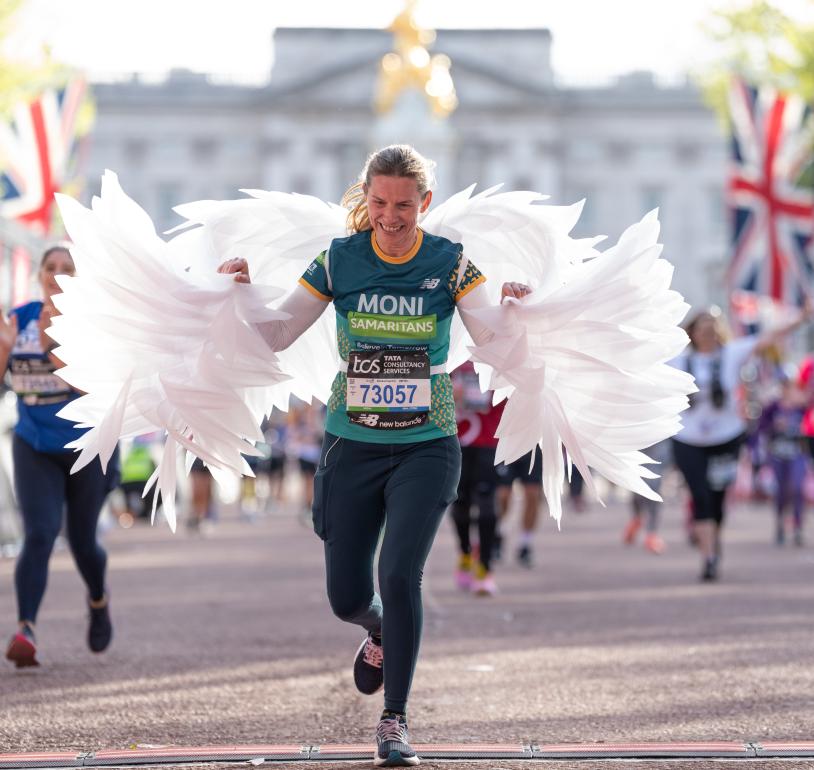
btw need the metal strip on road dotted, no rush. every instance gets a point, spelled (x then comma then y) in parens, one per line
(473, 751)
(342, 751)
(171, 754)
(427, 751)
(698, 750)
(784, 749)
(42, 759)
(167, 755)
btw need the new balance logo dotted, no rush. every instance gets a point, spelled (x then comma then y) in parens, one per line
(429, 283)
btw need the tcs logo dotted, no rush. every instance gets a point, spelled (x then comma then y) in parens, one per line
(366, 366)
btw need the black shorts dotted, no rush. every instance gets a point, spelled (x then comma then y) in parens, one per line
(306, 466)
(507, 474)
(275, 465)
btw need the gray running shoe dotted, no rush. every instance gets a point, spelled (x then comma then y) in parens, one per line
(368, 671)
(393, 744)
(100, 628)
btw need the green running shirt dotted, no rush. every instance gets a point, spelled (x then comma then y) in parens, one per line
(384, 302)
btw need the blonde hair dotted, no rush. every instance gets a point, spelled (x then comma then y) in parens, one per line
(399, 160)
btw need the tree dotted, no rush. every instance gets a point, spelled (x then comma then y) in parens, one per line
(19, 81)
(763, 45)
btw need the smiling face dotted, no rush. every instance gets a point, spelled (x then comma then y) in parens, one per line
(393, 204)
(58, 262)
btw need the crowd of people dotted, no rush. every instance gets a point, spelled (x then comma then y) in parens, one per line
(369, 489)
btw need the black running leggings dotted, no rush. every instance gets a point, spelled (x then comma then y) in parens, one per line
(477, 486)
(46, 489)
(399, 491)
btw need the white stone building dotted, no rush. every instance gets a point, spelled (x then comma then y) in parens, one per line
(626, 148)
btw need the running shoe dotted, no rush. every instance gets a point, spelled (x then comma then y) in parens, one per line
(368, 669)
(798, 537)
(524, 556)
(653, 543)
(483, 583)
(484, 586)
(22, 649)
(100, 629)
(463, 574)
(710, 571)
(631, 530)
(393, 743)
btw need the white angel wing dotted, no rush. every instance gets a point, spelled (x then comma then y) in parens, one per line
(583, 357)
(585, 364)
(509, 237)
(278, 234)
(154, 345)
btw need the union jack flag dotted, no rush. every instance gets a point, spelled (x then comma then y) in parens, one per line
(36, 150)
(772, 214)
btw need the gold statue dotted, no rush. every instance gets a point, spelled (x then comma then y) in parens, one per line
(411, 66)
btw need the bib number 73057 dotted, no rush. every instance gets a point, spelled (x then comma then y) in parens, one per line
(388, 388)
(388, 395)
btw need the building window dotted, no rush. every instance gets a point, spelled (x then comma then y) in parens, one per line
(135, 151)
(687, 154)
(301, 183)
(618, 152)
(652, 197)
(586, 224)
(168, 194)
(204, 149)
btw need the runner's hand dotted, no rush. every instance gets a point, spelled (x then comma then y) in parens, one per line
(8, 331)
(514, 289)
(237, 267)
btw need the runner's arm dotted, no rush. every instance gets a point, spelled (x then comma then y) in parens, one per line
(303, 307)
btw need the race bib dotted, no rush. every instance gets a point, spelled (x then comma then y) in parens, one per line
(389, 388)
(34, 382)
(784, 448)
(721, 471)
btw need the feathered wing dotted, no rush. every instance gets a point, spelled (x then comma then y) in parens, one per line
(157, 339)
(155, 345)
(278, 234)
(584, 362)
(509, 237)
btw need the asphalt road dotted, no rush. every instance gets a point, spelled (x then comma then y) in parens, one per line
(228, 639)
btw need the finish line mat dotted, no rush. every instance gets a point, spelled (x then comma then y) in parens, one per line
(260, 753)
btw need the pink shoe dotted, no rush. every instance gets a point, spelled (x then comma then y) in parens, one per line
(463, 579)
(484, 586)
(653, 543)
(631, 530)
